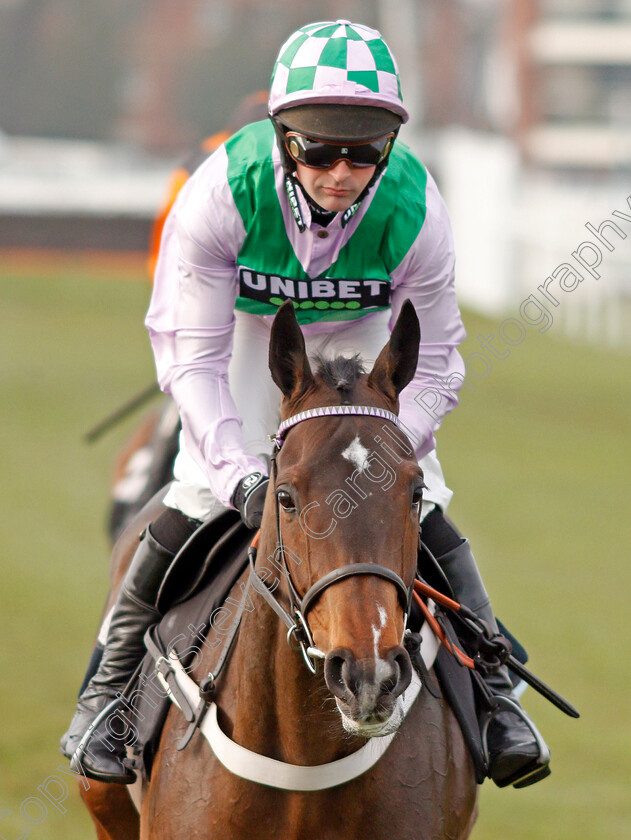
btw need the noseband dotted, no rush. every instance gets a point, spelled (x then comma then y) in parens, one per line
(296, 617)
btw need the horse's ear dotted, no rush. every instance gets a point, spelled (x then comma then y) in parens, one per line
(288, 362)
(396, 364)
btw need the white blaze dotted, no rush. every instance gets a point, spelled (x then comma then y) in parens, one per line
(382, 669)
(370, 691)
(356, 453)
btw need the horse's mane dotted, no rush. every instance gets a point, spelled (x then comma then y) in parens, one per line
(340, 373)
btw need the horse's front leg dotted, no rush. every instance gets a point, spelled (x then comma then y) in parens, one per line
(113, 813)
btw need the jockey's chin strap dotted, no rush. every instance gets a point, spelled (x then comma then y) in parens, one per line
(295, 618)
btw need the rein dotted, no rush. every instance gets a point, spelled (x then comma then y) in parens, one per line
(296, 617)
(493, 648)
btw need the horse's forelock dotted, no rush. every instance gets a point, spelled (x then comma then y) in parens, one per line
(340, 373)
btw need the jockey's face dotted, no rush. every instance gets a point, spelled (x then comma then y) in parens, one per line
(337, 187)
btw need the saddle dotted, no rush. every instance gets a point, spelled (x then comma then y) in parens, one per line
(218, 552)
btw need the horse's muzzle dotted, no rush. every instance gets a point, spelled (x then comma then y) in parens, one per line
(367, 690)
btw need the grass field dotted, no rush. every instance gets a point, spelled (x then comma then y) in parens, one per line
(538, 455)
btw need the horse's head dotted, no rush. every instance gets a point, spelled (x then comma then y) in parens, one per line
(346, 493)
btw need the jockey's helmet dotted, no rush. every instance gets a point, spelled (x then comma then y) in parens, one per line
(336, 81)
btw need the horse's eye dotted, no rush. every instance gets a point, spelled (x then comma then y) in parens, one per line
(417, 495)
(285, 500)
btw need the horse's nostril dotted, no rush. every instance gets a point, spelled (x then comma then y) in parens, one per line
(333, 675)
(402, 668)
(354, 682)
(388, 686)
(339, 673)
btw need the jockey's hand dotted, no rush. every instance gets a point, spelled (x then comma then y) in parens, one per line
(249, 498)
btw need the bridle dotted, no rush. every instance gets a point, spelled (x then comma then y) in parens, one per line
(299, 634)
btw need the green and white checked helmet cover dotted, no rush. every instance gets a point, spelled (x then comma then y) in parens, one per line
(336, 62)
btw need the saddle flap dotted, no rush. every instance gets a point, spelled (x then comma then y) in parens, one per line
(213, 545)
(183, 627)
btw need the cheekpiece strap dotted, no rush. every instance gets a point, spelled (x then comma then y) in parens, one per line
(333, 411)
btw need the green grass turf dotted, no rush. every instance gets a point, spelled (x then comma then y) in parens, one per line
(537, 454)
(72, 349)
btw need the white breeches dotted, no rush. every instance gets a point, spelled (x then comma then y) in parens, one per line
(257, 399)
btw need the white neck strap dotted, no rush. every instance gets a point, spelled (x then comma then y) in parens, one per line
(278, 774)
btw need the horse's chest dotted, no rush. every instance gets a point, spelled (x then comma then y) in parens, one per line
(415, 792)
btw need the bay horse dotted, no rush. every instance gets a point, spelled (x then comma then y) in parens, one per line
(352, 546)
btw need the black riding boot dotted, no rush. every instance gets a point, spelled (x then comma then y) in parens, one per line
(516, 754)
(134, 612)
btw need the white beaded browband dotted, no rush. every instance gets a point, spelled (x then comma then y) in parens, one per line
(331, 411)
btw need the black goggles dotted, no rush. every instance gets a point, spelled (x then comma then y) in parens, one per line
(321, 155)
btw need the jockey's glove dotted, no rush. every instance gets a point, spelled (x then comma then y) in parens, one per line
(249, 498)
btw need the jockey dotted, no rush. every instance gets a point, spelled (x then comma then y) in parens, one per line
(299, 206)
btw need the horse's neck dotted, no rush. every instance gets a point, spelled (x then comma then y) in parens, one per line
(279, 709)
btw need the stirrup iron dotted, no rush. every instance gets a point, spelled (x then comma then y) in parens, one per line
(539, 767)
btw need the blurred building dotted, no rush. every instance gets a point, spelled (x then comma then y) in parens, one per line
(574, 82)
(526, 117)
